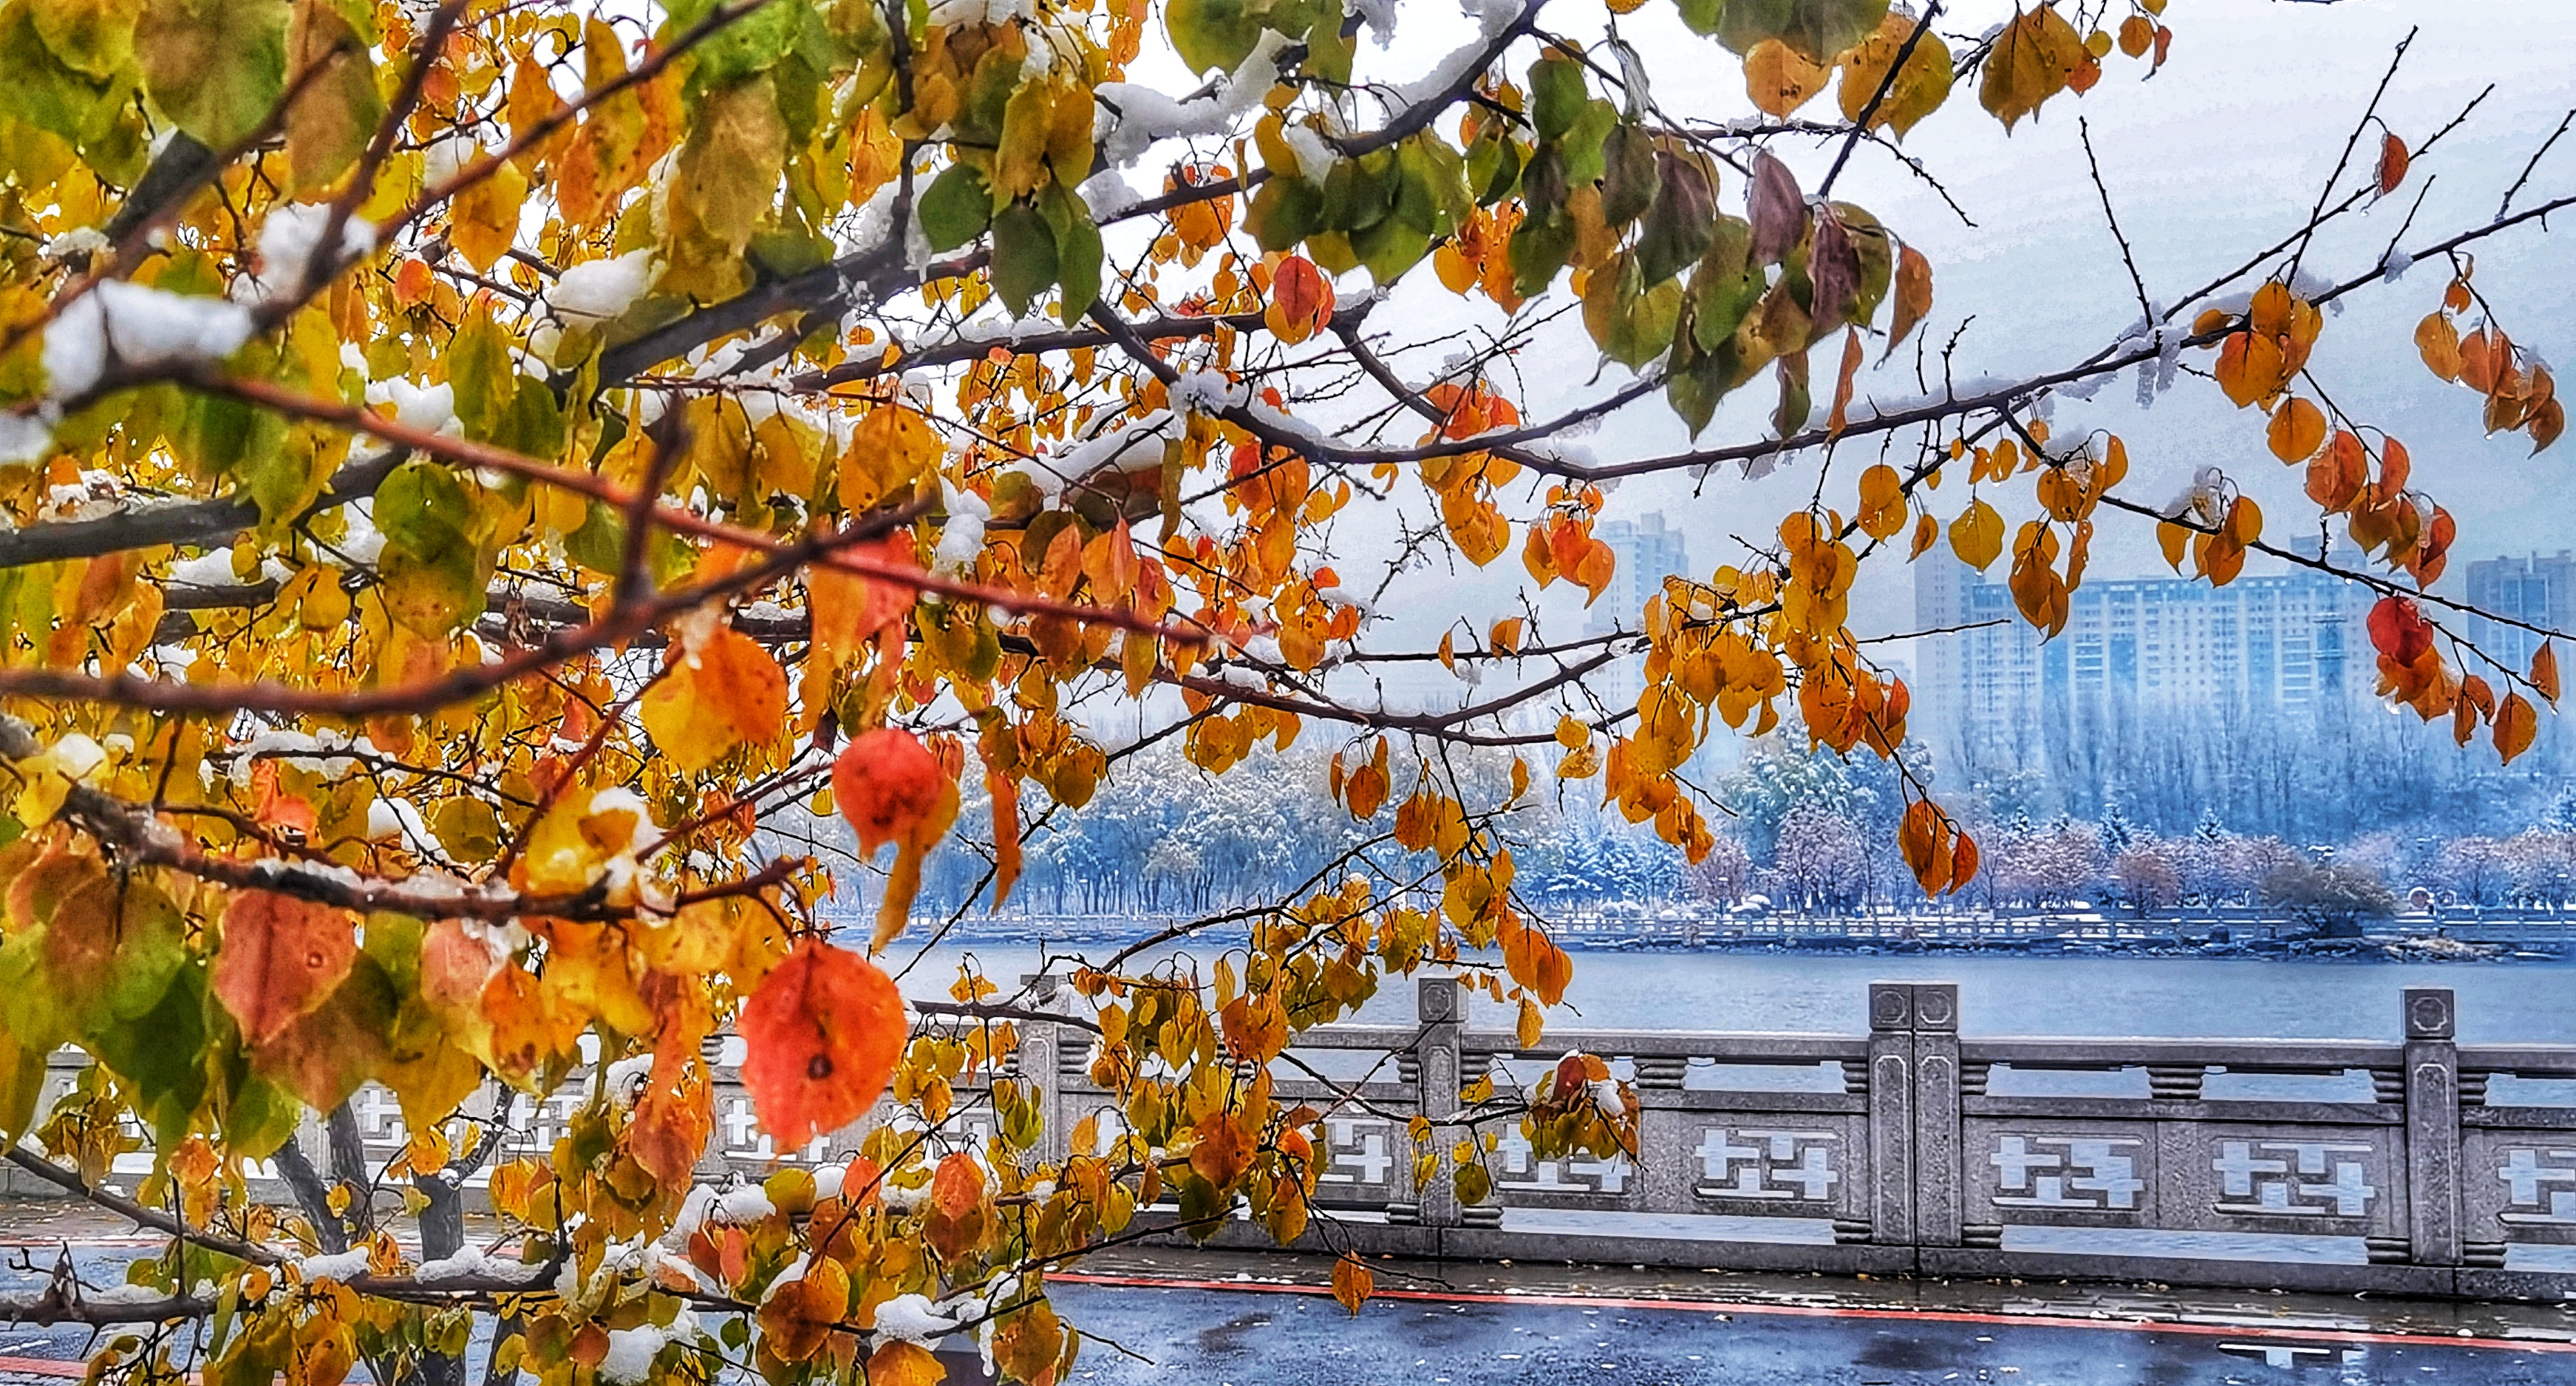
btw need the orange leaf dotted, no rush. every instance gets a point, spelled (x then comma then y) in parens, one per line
(726, 692)
(888, 785)
(957, 1220)
(822, 1035)
(849, 608)
(1834, 421)
(1352, 1282)
(281, 959)
(2516, 723)
(2544, 671)
(898, 1363)
(2298, 429)
(1301, 300)
(2336, 475)
(2392, 164)
(1913, 296)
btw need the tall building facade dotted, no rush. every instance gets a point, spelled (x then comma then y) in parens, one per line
(1648, 553)
(1992, 691)
(2539, 589)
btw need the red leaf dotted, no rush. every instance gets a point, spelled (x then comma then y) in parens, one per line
(887, 784)
(1301, 300)
(2392, 164)
(281, 958)
(822, 1034)
(2398, 629)
(1777, 208)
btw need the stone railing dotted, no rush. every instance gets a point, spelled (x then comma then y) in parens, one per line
(2417, 1167)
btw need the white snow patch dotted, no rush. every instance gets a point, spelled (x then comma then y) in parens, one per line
(136, 324)
(598, 290)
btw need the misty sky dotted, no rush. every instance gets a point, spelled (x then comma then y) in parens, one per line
(2221, 154)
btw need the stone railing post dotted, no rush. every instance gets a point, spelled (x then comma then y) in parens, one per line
(2433, 1204)
(1937, 1175)
(1442, 1013)
(1041, 1044)
(1891, 1113)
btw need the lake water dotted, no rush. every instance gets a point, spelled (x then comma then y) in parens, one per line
(2532, 1002)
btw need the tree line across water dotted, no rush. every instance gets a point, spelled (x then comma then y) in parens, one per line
(1812, 831)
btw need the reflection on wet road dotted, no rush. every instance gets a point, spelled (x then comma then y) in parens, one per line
(1227, 1337)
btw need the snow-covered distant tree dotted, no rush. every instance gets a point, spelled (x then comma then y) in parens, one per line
(2144, 877)
(1724, 874)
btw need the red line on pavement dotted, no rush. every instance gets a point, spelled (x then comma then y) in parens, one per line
(44, 1366)
(1962, 1316)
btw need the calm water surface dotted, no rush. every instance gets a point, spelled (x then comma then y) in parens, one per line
(1999, 995)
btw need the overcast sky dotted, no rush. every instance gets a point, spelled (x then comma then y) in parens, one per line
(2220, 154)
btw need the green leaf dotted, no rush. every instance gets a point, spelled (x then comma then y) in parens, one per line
(1212, 33)
(1493, 167)
(92, 37)
(1358, 192)
(161, 1052)
(481, 375)
(1725, 285)
(1077, 251)
(1538, 249)
(1557, 95)
(279, 467)
(433, 582)
(421, 507)
(956, 208)
(1795, 405)
(215, 67)
(600, 543)
(1390, 248)
(1024, 258)
(1584, 162)
(1814, 29)
(1631, 323)
(1284, 211)
(1870, 244)
(747, 47)
(38, 88)
(1628, 177)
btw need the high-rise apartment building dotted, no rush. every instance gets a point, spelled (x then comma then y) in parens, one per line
(1648, 553)
(2286, 643)
(2540, 590)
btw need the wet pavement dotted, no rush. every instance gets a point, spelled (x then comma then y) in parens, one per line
(1255, 1319)
(1231, 1318)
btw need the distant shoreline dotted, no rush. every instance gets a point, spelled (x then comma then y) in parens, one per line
(2399, 945)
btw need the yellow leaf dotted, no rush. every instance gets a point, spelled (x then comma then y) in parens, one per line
(484, 218)
(2030, 62)
(1920, 87)
(1778, 80)
(1882, 498)
(1977, 536)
